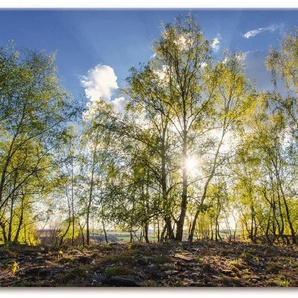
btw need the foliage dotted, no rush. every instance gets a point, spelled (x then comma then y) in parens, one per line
(197, 153)
(34, 109)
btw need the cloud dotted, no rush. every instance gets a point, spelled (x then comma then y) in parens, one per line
(119, 104)
(255, 32)
(215, 45)
(100, 83)
(162, 75)
(240, 56)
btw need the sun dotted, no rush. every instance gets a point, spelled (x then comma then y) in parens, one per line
(191, 164)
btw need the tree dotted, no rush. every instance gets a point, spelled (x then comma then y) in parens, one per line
(34, 108)
(148, 100)
(184, 99)
(265, 175)
(232, 95)
(184, 53)
(92, 167)
(69, 183)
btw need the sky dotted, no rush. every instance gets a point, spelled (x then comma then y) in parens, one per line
(96, 47)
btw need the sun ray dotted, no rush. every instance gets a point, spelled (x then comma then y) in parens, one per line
(191, 164)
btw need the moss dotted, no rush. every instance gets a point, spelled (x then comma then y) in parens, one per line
(73, 275)
(117, 270)
(25, 283)
(119, 259)
(134, 245)
(235, 270)
(247, 255)
(66, 259)
(227, 252)
(150, 283)
(168, 266)
(207, 267)
(198, 259)
(274, 268)
(106, 247)
(283, 281)
(161, 259)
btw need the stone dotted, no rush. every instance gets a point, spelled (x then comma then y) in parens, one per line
(123, 281)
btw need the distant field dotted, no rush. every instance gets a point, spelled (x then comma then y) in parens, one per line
(118, 236)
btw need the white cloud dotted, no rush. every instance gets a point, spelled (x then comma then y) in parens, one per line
(255, 32)
(242, 56)
(100, 82)
(119, 104)
(163, 75)
(182, 40)
(91, 111)
(153, 56)
(203, 65)
(239, 56)
(215, 45)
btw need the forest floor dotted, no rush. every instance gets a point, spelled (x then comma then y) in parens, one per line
(172, 264)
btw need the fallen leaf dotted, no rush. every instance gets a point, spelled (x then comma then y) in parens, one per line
(183, 257)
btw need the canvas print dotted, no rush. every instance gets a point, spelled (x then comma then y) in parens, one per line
(148, 147)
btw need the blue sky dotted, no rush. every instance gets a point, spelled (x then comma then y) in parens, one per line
(121, 38)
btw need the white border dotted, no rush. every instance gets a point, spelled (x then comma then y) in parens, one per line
(147, 4)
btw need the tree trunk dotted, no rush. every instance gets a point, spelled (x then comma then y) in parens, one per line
(190, 236)
(146, 232)
(293, 236)
(180, 222)
(164, 187)
(66, 231)
(104, 231)
(3, 227)
(163, 234)
(82, 234)
(169, 228)
(90, 200)
(10, 223)
(16, 238)
(158, 231)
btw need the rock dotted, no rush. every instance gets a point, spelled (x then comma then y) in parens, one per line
(33, 271)
(186, 244)
(55, 271)
(183, 257)
(143, 260)
(123, 281)
(84, 259)
(97, 279)
(195, 275)
(171, 272)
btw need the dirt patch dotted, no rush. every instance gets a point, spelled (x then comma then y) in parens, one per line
(171, 264)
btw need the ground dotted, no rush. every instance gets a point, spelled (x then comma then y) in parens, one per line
(171, 264)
